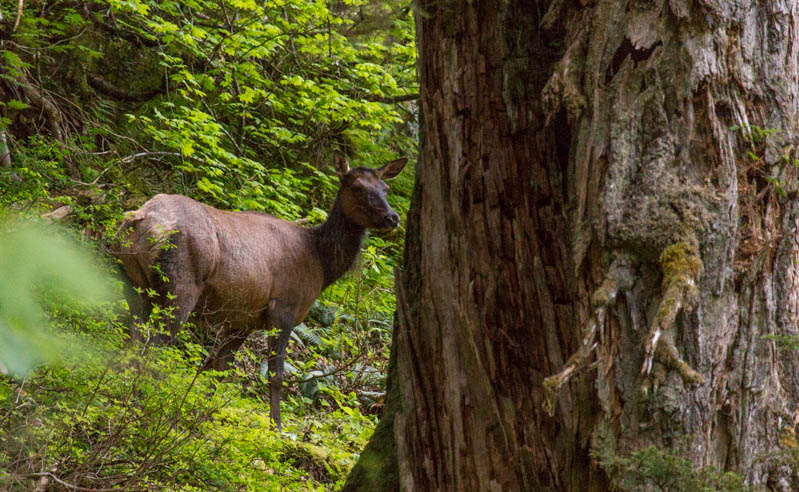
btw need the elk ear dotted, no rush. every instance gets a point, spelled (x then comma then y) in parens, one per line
(392, 169)
(342, 163)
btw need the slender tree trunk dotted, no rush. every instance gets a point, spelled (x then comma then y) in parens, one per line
(604, 230)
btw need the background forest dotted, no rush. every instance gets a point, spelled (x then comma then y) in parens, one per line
(238, 104)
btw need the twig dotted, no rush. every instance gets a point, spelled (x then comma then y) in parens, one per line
(64, 40)
(94, 392)
(19, 15)
(101, 85)
(49, 109)
(17, 405)
(272, 38)
(133, 157)
(69, 485)
(104, 152)
(5, 152)
(95, 180)
(335, 371)
(224, 130)
(152, 452)
(392, 99)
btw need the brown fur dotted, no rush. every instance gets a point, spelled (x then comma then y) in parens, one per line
(243, 271)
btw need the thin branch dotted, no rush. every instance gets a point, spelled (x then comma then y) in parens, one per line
(64, 40)
(392, 99)
(5, 154)
(93, 182)
(133, 157)
(19, 15)
(68, 485)
(104, 152)
(94, 392)
(222, 127)
(347, 365)
(49, 109)
(101, 85)
(272, 38)
(133, 38)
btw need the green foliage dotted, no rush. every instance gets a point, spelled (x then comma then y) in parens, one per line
(666, 470)
(39, 169)
(145, 418)
(238, 104)
(235, 103)
(39, 264)
(784, 342)
(759, 140)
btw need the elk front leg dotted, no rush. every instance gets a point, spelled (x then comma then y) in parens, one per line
(221, 357)
(276, 362)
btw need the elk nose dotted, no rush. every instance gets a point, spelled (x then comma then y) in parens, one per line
(393, 219)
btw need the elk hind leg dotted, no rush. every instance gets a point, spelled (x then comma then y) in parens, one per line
(284, 323)
(139, 305)
(176, 287)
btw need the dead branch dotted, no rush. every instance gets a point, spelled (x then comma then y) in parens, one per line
(383, 99)
(5, 151)
(50, 111)
(681, 270)
(66, 484)
(101, 85)
(617, 278)
(393, 99)
(19, 15)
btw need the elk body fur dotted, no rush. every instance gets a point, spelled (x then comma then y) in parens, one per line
(244, 271)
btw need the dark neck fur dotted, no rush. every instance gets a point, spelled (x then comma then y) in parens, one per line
(338, 242)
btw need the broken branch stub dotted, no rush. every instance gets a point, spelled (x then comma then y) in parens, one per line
(681, 267)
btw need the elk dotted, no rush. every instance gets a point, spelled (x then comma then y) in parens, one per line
(243, 271)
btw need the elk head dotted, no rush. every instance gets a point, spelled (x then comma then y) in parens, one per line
(363, 193)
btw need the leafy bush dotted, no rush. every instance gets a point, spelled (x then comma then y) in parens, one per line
(238, 104)
(145, 418)
(667, 470)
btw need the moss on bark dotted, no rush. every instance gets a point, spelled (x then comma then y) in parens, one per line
(377, 470)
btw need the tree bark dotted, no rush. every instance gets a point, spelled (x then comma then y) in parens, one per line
(604, 230)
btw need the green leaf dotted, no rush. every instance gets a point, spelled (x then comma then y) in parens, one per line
(16, 104)
(38, 262)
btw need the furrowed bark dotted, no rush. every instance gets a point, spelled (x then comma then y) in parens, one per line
(604, 230)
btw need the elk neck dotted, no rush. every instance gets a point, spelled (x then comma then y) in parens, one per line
(338, 242)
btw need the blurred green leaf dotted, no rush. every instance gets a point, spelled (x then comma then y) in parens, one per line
(38, 262)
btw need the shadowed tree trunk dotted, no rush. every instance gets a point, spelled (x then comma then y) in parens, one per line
(604, 230)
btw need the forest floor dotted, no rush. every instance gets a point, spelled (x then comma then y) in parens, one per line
(121, 415)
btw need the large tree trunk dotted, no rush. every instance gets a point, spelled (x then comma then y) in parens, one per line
(603, 231)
